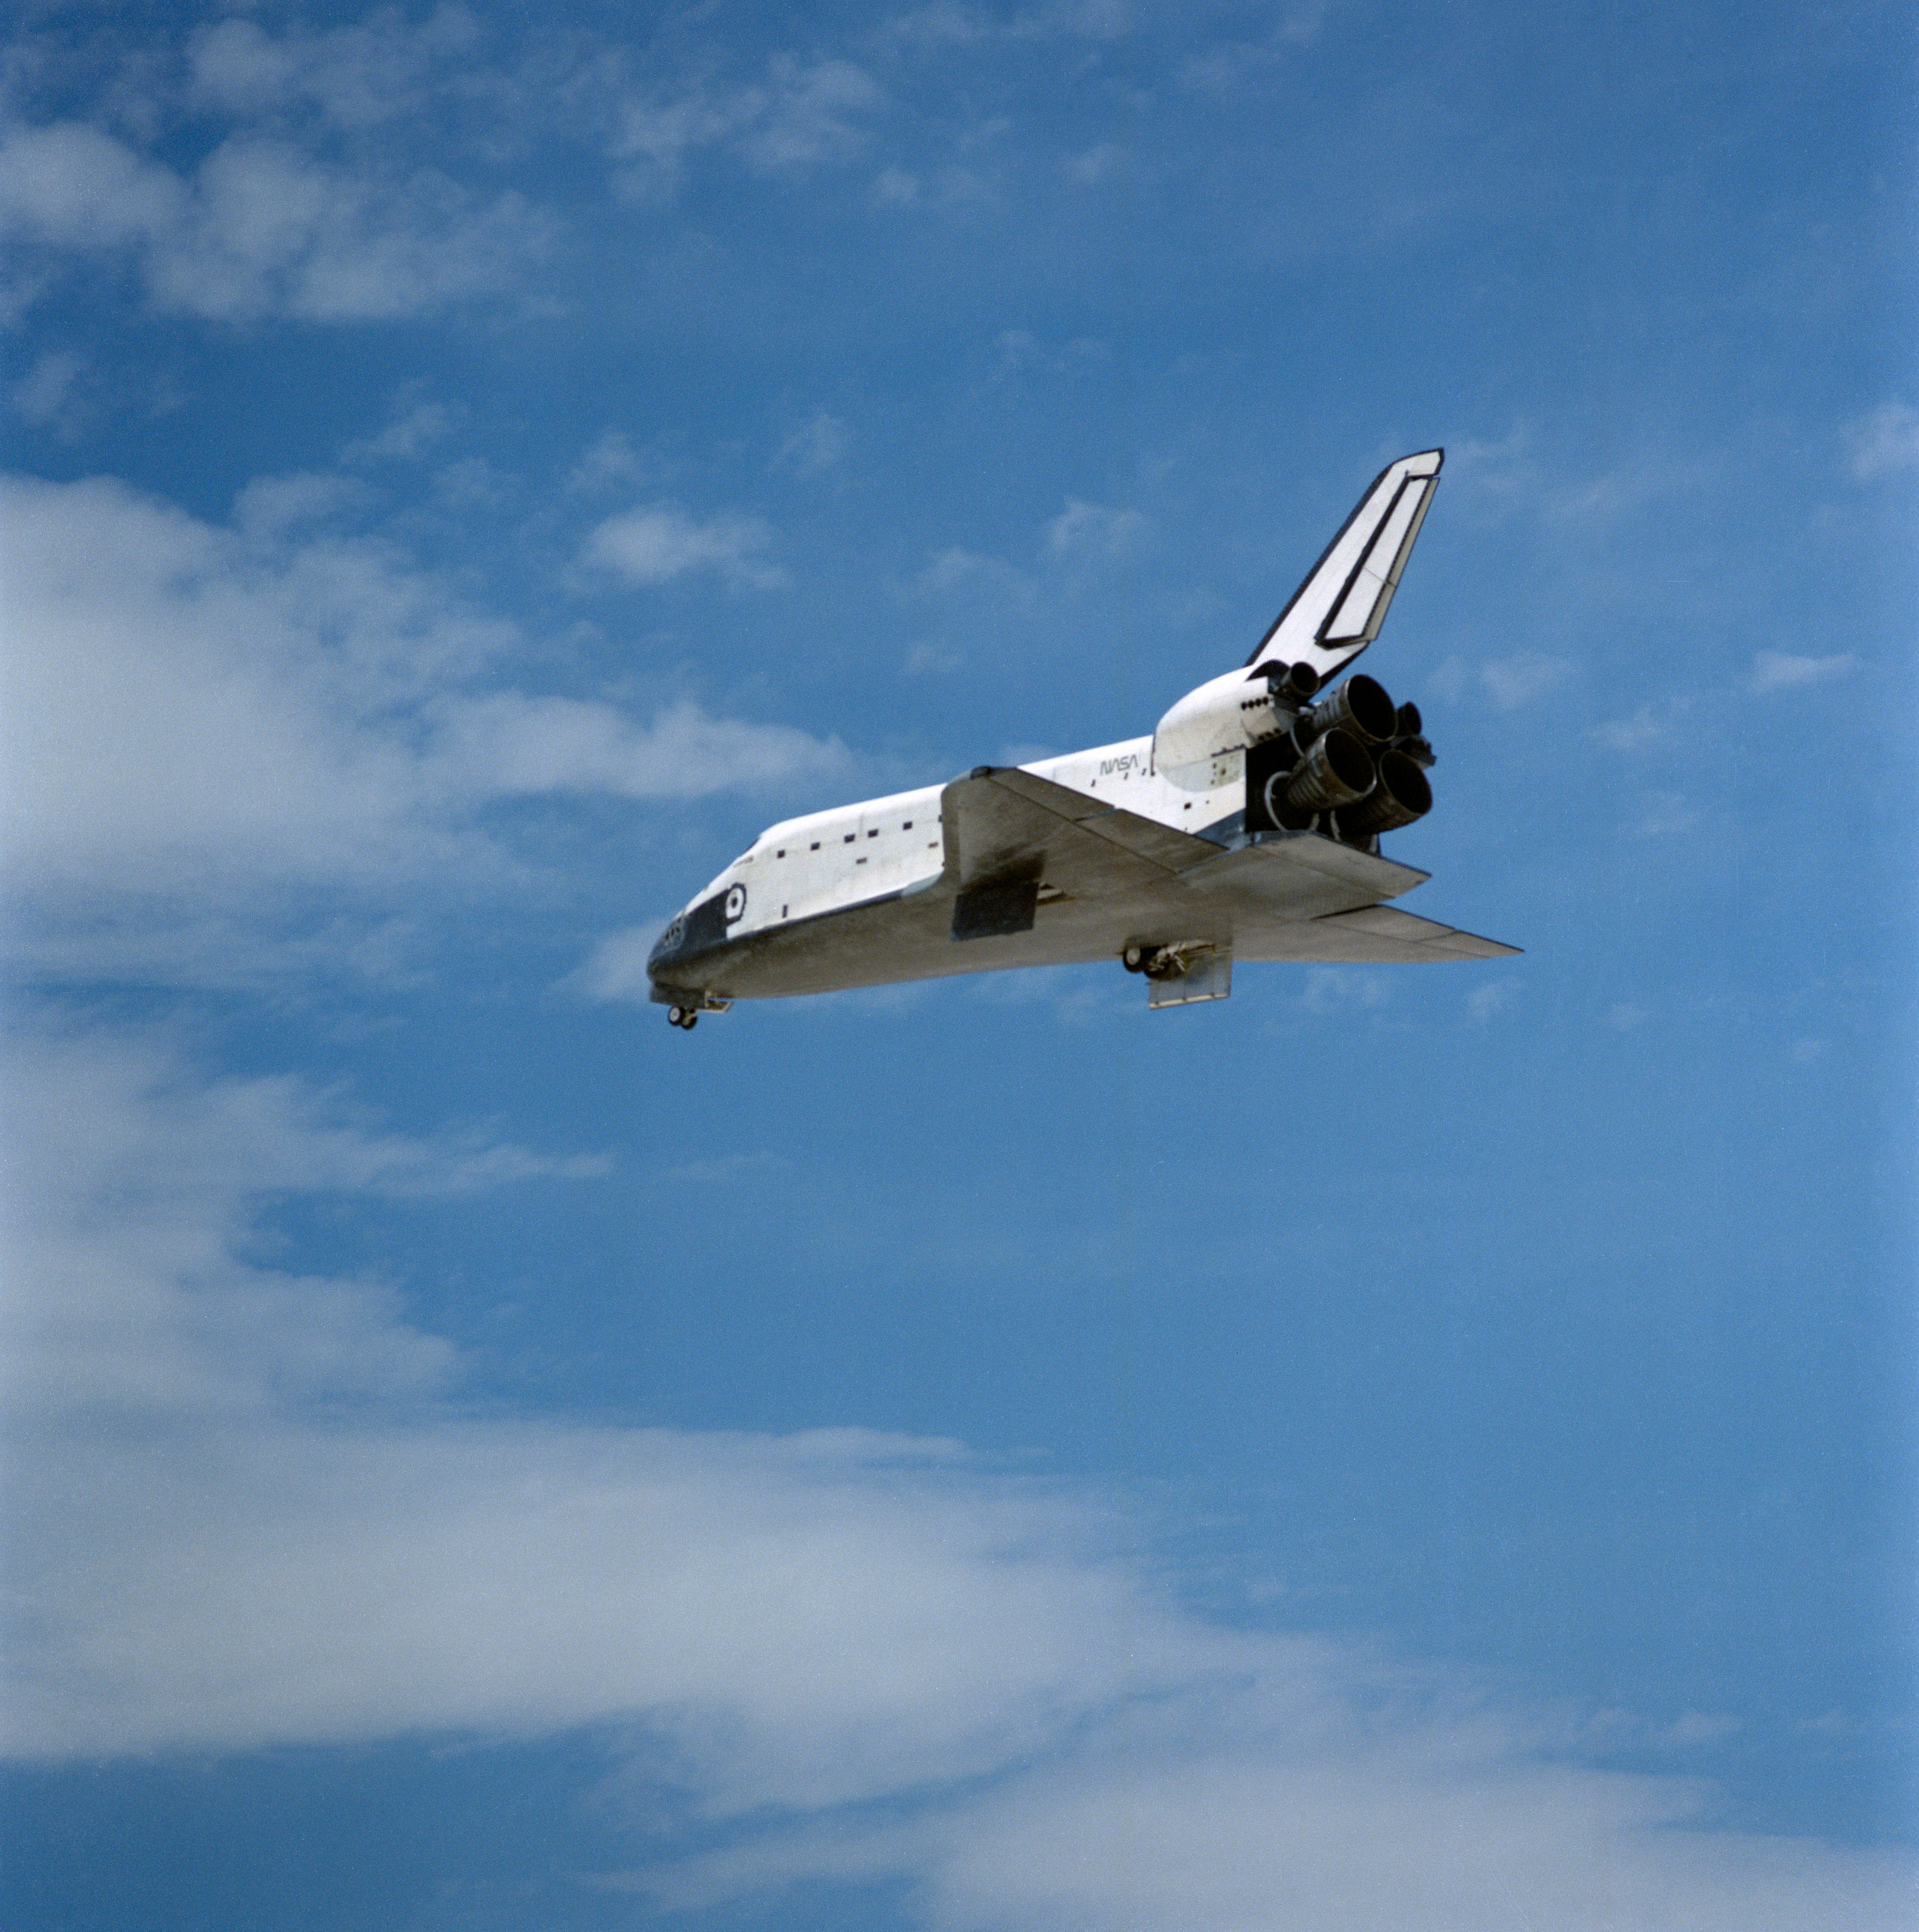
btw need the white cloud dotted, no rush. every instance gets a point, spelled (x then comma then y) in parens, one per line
(1510, 682)
(1523, 678)
(1104, 161)
(615, 969)
(264, 228)
(1884, 441)
(129, 1190)
(405, 439)
(1778, 671)
(1666, 814)
(803, 114)
(43, 395)
(609, 462)
(1494, 996)
(818, 444)
(657, 543)
(1092, 532)
(1332, 989)
(1448, 680)
(356, 77)
(201, 711)
(509, 743)
(1234, 63)
(1428, 1834)
(1654, 722)
(928, 659)
(245, 1512)
(190, 704)
(812, 113)
(661, 132)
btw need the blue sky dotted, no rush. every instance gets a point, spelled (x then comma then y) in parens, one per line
(1411, 1449)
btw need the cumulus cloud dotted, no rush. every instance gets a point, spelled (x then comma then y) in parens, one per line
(203, 710)
(1779, 671)
(245, 1513)
(263, 227)
(657, 543)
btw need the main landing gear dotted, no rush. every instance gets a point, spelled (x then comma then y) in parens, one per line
(1156, 962)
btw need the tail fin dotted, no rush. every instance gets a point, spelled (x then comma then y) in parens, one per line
(1337, 612)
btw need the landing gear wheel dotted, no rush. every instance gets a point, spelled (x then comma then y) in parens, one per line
(1134, 958)
(681, 1016)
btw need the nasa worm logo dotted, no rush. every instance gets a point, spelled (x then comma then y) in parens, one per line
(736, 903)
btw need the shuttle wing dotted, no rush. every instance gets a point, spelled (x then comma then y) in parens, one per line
(1010, 836)
(1001, 821)
(1338, 611)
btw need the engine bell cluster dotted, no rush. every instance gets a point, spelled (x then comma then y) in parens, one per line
(1352, 765)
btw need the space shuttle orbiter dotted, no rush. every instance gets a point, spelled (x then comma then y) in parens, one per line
(1246, 825)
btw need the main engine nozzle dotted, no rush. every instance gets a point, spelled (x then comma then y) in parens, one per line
(1401, 795)
(1336, 770)
(1360, 706)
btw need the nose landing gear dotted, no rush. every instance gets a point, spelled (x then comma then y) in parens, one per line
(682, 1016)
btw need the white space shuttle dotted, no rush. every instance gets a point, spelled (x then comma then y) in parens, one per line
(1246, 825)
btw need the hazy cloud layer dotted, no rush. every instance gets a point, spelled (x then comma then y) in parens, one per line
(249, 1517)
